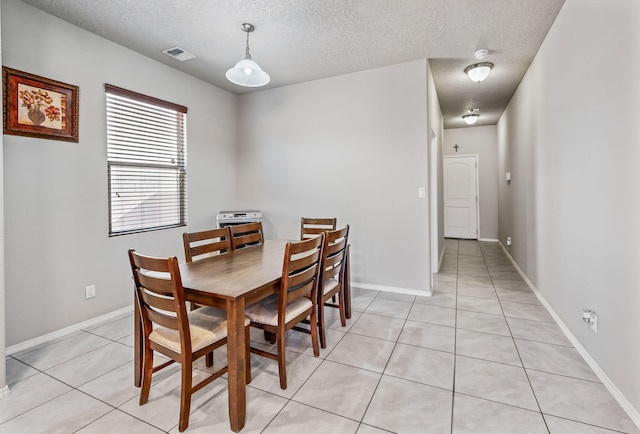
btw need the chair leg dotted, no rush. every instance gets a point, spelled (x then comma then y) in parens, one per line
(209, 359)
(282, 364)
(147, 372)
(320, 321)
(185, 395)
(313, 322)
(343, 318)
(270, 337)
(247, 343)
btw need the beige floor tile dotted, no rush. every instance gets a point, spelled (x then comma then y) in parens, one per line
(93, 364)
(482, 322)
(403, 406)
(391, 308)
(473, 416)
(495, 382)
(117, 421)
(339, 389)
(557, 425)
(66, 413)
(433, 315)
(579, 400)
(377, 326)
(422, 365)
(362, 352)
(554, 359)
(300, 418)
(213, 415)
(426, 335)
(29, 393)
(487, 346)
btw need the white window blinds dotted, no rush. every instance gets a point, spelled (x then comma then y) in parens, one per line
(146, 154)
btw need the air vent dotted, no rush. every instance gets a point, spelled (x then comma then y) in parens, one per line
(178, 53)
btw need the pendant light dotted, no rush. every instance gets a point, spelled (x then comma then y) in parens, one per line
(246, 72)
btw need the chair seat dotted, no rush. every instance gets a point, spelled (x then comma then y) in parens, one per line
(329, 285)
(206, 325)
(266, 311)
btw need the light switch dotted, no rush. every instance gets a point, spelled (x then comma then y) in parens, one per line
(507, 176)
(422, 192)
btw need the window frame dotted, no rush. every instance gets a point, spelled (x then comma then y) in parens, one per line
(181, 157)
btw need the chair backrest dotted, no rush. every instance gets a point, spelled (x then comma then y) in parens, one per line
(246, 235)
(334, 254)
(214, 241)
(160, 295)
(300, 272)
(311, 227)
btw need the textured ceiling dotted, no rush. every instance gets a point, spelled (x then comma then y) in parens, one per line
(302, 40)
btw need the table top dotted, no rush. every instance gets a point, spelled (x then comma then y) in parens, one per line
(236, 273)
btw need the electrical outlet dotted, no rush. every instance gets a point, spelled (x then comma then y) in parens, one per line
(90, 291)
(508, 241)
(589, 316)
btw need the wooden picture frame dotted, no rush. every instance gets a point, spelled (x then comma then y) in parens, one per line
(35, 106)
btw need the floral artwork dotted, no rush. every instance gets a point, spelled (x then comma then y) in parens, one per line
(39, 107)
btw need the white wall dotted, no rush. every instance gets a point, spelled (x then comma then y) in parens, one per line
(482, 141)
(3, 335)
(436, 177)
(353, 147)
(570, 138)
(56, 211)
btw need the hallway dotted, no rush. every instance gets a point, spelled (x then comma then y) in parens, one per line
(481, 355)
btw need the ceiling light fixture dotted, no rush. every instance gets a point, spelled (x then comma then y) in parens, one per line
(472, 116)
(479, 71)
(246, 72)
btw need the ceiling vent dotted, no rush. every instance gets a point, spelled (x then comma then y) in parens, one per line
(178, 53)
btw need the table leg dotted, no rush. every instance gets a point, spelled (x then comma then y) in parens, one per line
(137, 345)
(236, 358)
(347, 283)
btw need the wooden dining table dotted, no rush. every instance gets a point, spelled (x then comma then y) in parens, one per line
(230, 281)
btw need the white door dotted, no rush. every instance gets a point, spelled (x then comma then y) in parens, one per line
(461, 197)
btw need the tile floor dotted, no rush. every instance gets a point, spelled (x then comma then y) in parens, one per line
(480, 356)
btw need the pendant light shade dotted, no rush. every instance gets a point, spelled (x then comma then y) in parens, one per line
(246, 72)
(479, 71)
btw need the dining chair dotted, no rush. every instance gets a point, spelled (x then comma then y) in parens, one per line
(311, 227)
(246, 235)
(295, 300)
(332, 278)
(168, 328)
(198, 245)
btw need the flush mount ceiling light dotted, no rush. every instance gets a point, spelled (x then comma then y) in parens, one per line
(479, 71)
(246, 72)
(472, 116)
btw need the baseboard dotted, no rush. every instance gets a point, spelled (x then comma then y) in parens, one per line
(5, 391)
(488, 240)
(391, 289)
(611, 387)
(93, 322)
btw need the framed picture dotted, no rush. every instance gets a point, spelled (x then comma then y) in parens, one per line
(35, 106)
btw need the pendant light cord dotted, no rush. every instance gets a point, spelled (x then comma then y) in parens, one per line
(247, 55)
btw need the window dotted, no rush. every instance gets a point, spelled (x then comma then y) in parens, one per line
(146, 154)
